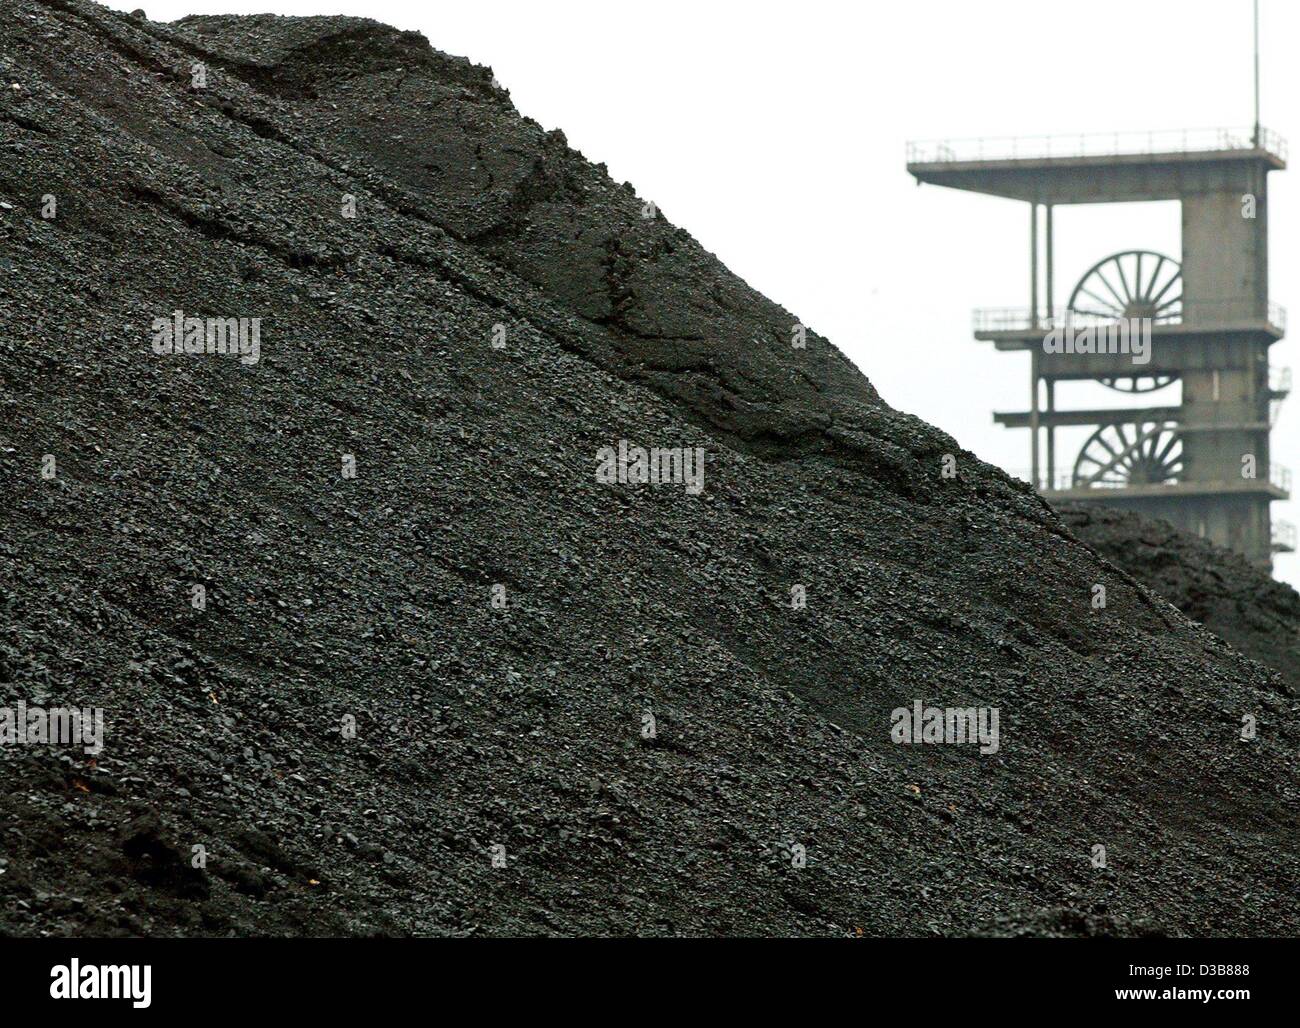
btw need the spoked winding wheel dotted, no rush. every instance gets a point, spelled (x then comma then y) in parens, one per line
(1138, 383)
(1132, 284)
(1148, 453)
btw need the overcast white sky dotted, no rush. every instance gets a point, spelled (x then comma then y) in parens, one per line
(774, 132)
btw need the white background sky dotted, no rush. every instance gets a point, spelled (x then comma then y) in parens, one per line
(774, 132)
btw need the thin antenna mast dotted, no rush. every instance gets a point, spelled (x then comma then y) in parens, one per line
(1256, 138)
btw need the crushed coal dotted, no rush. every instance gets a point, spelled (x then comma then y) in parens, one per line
(378, 651)
(1219, 588)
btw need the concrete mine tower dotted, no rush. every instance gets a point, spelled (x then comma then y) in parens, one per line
(1202, 463)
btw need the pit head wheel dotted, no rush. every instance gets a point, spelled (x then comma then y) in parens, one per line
(1138, 383)
(1132, 284)
(1146, 453)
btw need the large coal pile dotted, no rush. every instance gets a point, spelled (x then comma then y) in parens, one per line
(652, 735)
(1219, 588)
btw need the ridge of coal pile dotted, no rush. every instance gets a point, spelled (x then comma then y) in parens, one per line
(350, 737)
(1217, 587)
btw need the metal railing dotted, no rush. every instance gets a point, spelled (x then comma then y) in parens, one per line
(1279, 380)
(1278, 475)
(1062, 480)
(1194, 313)
(1105, 483)
(1283, 537)
(1094, 144)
